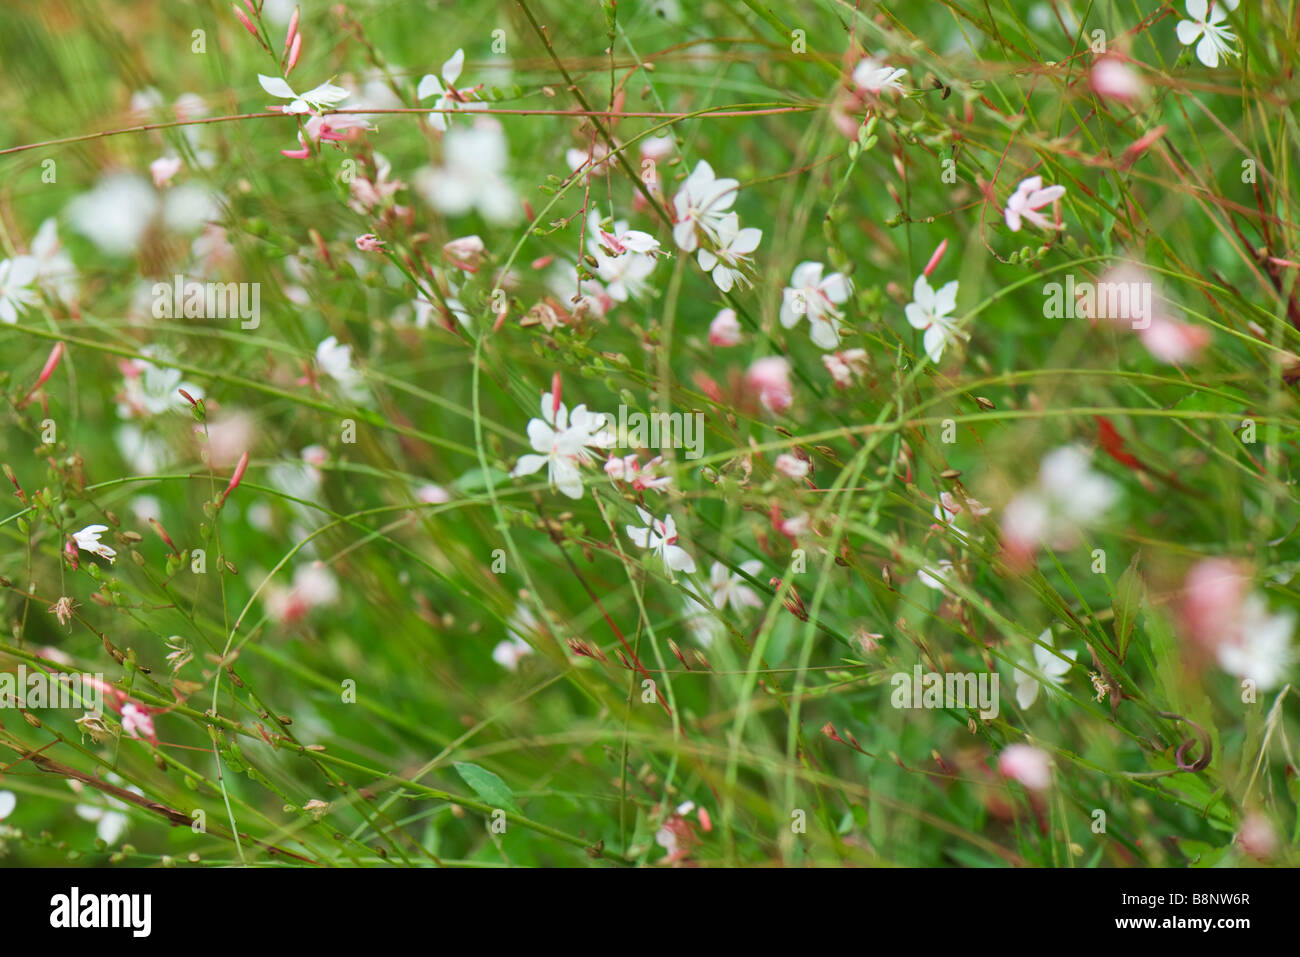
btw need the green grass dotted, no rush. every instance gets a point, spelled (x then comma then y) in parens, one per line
(387, 705)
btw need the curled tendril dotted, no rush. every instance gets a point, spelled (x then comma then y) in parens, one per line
(1200, 736)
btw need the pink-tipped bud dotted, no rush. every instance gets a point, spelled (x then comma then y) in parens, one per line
(162, 533)
(934, 260)
(1140, 146)
(555, 394)
(51, 364)
(293, 30)
(243, 18)
(235, 479)
(294, 50)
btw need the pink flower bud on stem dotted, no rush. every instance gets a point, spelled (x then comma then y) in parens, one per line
(934, 260)
(248, 24)
(18, 489)
(293, 30)
(234, 479)
(50, 365)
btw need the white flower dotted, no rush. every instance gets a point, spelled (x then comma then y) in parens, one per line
(7, 804)
(930, 310)
(700, 205)
(88, 541)
(152, 389)
(335, 360)
(449, 98)
(316, 99)
(624, 240)
(1068, 496)
(732, 252)
(314, 586)
(16, 294)
(54, 268)
(108, 818)
(1262, 650)
(701, 621)
(562, 442)
(661, 538)
(936, 577)
(510, 652)
(118, 212)
(472, 175)
(730, 589)
(1215, 37)
(624, 258)
(1048, 663)
(1030, 196)
(811, 295)
(874, 76)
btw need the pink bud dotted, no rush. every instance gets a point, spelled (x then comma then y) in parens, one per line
(555, 394)
(51, 363)
(235, 479)
(248, 24)
(294, 50)
(934, 260)
(292, 34)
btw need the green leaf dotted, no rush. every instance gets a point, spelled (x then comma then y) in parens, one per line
(1127, 601)
(487, 786)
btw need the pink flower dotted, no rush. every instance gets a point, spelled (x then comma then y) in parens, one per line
(1113, 79)
(432, 495)
(336, 128)
(641, 477)
(724, 330)
(843, 366)
(1030, 196)
(1027, 764)
(1213, 593)
(163, 169)
(1221, 614)
(370, 243)
(466, 253)
(770, 378)
(791, 467)
(1257, 837)
(136, 721)
(1173, 342)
